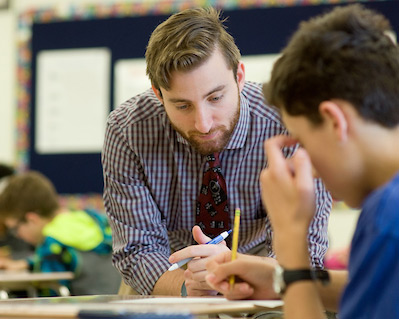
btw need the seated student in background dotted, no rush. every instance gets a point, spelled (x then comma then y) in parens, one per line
(11, 245)
(337, 85)
(77, 241)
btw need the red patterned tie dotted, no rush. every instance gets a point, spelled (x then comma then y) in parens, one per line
(212, 209)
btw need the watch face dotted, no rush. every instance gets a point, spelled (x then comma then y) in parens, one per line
(278, 280)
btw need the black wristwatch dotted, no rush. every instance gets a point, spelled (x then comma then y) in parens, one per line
(283, 278)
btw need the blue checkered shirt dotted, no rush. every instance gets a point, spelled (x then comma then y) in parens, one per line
(152, 178)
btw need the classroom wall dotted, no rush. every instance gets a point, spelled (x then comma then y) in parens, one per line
(8, 56)
(8, 61)
(341, 225)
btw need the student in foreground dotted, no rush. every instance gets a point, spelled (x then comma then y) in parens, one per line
(77, 241)
(336, 85)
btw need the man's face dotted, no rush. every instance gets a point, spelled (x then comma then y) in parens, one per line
(203, 104)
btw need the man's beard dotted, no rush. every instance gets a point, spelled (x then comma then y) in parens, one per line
(214, 146)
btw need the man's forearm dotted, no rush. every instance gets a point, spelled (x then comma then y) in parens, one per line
(170, 283)
(331, 294)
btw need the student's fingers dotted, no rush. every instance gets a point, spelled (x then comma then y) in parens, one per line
(303, 170)
(273, 152)
(240, 290)
(216, 260)
(200, 264)
(198, 276)
(6, 263)
(223, 271)
(304, 183)
(225, 257)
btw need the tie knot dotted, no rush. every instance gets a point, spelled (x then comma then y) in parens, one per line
(213, 160)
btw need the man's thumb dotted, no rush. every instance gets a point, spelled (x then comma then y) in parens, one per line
(199, 236)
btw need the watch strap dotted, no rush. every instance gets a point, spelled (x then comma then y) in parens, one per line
(322, 275)
(291, 276)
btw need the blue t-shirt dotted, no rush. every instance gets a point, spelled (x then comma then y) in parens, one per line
(373, 286)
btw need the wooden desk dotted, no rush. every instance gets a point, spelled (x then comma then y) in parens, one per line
(69, 307)
(31, 282)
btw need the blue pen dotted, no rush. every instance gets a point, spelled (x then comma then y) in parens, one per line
(216, 240)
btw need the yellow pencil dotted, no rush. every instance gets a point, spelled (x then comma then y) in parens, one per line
(235, 242)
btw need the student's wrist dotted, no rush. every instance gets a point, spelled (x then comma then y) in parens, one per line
(292, 253)
(294, 262)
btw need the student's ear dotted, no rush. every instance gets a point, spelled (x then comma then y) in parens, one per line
(333, 115)
(240, 75)
(158, 93)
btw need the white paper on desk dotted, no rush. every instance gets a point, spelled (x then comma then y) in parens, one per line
(174, 300)
(201, 300)
(72, 100)
(268, 303)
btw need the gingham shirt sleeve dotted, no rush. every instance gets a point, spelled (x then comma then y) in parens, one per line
(318, 232)
(140, 240)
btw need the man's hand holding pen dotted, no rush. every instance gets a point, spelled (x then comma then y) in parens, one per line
(196, 268)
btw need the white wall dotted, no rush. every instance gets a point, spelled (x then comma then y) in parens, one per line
(7, 86)
(341, 226)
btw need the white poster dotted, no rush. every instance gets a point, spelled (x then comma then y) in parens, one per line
(72, 100)
(258, 68)
(130, 79)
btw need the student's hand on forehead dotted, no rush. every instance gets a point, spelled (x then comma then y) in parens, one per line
(274, 147)
(287, 186)
(274, 153)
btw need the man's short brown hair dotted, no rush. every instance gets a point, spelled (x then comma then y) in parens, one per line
(28, 192)
(186, 40)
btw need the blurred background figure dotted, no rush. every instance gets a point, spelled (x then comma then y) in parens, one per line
(10, 245)
(78, 241)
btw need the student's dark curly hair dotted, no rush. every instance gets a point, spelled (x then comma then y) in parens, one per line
(347, 54)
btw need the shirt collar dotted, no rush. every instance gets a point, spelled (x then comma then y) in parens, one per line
(240, 132)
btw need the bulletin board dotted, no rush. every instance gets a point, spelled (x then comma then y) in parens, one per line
(109, 34)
